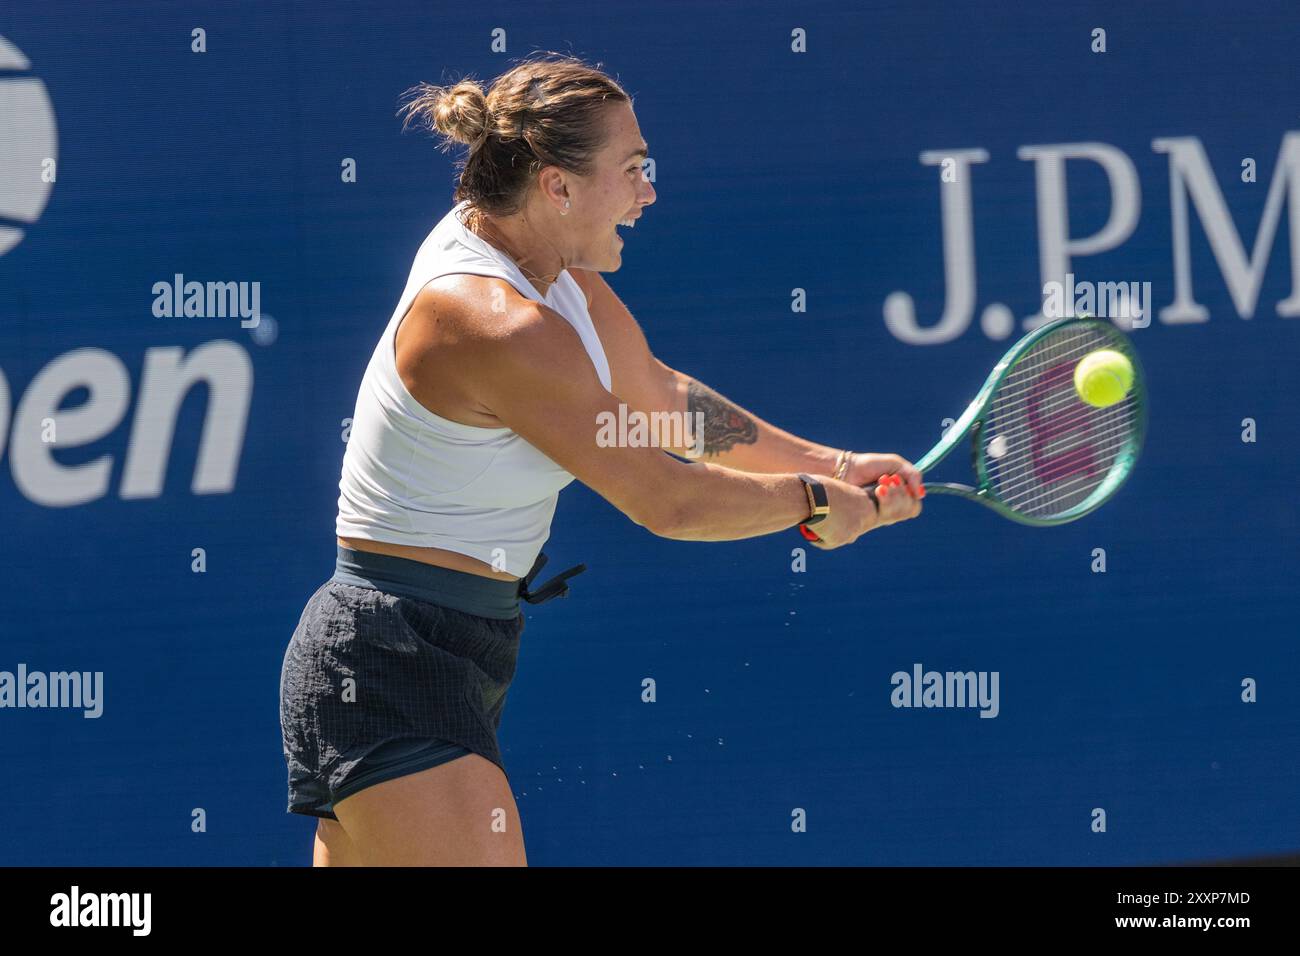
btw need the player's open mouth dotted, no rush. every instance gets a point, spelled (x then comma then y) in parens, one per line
(629, 223)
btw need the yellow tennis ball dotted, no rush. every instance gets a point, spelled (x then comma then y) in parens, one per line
(1103, 378)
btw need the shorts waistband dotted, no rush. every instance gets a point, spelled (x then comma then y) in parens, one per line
(459, 590)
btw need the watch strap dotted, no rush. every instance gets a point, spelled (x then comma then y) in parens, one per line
(818, 502)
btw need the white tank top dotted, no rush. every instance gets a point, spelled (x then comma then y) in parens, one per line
(412, 477)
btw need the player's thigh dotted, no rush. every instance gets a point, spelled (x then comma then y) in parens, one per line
(333, 846)
(460, 813)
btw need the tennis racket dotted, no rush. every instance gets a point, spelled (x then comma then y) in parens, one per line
(1041, 455)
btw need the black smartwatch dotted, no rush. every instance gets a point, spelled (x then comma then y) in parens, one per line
(818, 504)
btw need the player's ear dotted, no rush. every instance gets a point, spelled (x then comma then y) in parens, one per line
(551, 183)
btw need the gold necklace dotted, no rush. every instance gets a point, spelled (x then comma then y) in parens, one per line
(477, 223)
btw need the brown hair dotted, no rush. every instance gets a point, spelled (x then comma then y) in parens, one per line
(544, 112)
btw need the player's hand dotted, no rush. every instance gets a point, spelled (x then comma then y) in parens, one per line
(867, 468)
(898, 501)
(852, 515)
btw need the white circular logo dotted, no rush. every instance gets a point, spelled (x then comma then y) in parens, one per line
(28, 146)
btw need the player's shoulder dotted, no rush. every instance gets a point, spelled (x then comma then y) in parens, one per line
(478, 307)
(491, 330)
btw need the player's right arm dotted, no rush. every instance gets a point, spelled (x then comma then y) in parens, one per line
(529, 370)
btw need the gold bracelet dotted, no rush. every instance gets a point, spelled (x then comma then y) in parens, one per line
(842, 465)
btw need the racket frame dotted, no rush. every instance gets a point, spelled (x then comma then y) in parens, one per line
(971, 423)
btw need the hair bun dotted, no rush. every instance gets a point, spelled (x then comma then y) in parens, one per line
(460, 112)
(548, 110)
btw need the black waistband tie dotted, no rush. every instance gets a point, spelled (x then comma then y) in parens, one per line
(555, 587)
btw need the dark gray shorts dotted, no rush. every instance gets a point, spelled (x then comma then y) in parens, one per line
(395, 667)
(376, 685)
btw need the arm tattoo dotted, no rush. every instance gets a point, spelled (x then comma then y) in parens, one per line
(725, 425)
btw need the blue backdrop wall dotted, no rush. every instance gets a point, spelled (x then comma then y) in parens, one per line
(795, 147)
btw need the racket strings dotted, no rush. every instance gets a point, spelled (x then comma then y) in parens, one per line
(1045, 450)
(1058, 454)
(1064, 424)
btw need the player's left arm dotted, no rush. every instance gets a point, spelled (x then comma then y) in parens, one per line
(731, 436)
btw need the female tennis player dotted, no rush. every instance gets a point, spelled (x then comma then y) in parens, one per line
(484, 397)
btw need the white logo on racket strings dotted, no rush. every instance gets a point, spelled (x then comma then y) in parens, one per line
(922, 688)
